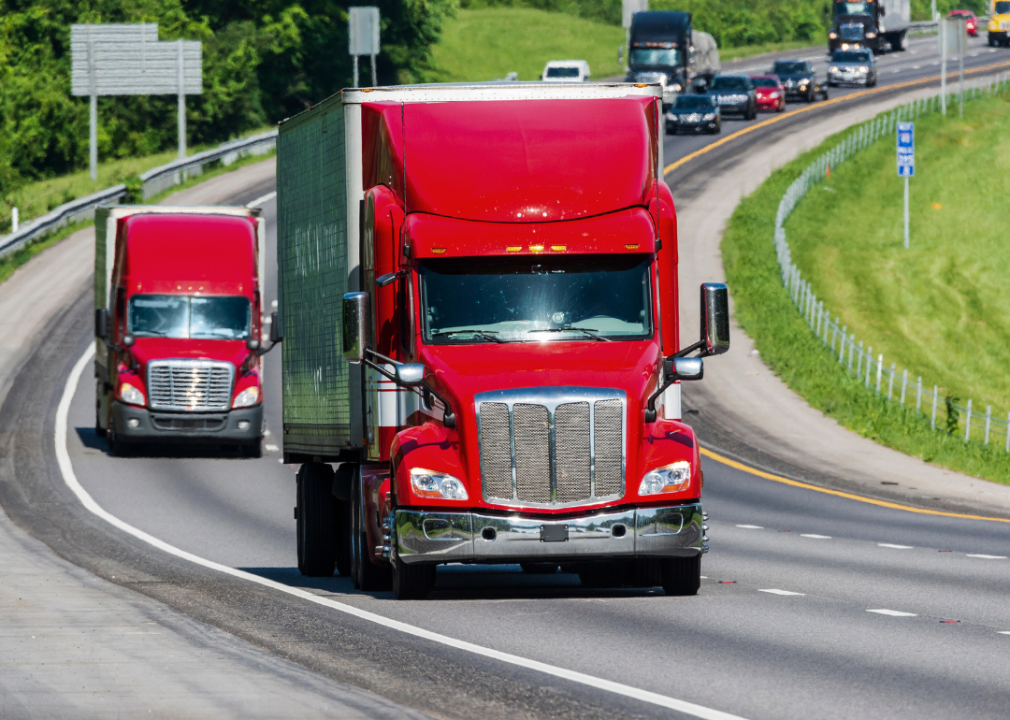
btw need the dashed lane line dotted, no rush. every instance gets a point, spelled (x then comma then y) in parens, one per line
(815, 537)
(892, 613)
(776, 591)
(987, 557)
(838, 493)
(750, 527)
(70, 478)
(896, 547)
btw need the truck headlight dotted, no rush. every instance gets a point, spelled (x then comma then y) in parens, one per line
(131, 395)
(249, 396)
(832, 35)
(431, 484)
(669, 478)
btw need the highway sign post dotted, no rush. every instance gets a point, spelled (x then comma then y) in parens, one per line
(906, 161)
(952, 40)
(127, 59)
(363, 36)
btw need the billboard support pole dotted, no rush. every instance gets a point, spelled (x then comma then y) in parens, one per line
(375, 81)
(182, 103)
(92, 112)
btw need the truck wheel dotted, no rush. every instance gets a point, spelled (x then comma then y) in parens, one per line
(316, 514)
(601, 575)
(99, 430)
(343, 559)
(412, 582)
(682, 576)
(365, 574)
(253, 449)
(539, 568)
(117, 448)
(992, 41)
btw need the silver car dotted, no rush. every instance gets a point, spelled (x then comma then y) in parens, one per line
(852, 67)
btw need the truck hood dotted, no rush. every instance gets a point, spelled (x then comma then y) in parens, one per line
(146, 350)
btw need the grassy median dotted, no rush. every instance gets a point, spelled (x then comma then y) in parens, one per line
(938, 309)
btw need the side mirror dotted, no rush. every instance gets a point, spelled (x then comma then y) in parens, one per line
(102, 323)
(275, 329)
(409, 375)
(685, 368)
(252, 344)
(355, 327)
(128, 340)
(714, 318)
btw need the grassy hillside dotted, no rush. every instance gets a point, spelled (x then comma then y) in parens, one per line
(491, 42)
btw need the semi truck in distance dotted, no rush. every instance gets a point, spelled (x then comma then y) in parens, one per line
(664, 48)
(177, 326)
(877, 24)
(479, 307)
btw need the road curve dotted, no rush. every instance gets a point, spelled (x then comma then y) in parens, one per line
(812, 605)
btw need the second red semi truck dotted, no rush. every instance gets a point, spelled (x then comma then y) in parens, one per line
(479, 305)
(177, 326)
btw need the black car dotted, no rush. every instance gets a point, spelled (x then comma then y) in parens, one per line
(799, 80)
(694, 113)
(734, 94)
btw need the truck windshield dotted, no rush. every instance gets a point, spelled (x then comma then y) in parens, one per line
(562, 72)
(667, 57)
(587, 299)
(1002, 7)
(853, 8)
(197, 318)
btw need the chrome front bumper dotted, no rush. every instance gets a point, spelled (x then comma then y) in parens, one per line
(444, 537)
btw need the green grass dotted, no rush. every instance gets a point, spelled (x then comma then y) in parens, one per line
(489, 43)
(40, 197)
(787, 345)
(11, 262)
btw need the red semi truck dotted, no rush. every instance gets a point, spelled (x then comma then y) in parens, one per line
(177, 326)
(499, 265)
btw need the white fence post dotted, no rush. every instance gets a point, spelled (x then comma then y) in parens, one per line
(880, 370)
(869, 364)
(904, 383)
(1008, 432)
(890, 385)
(932, 423)
(988, 419)
(967, 422)
(918, 396)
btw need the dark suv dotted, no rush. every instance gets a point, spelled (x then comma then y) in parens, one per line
(734, 94)
(799, 80)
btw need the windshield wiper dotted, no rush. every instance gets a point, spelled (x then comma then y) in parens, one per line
(488, 335)
(589, 332)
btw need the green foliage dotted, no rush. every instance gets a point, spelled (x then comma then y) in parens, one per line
(134, 190)
(264, 60)
(765, 311)
(735, 24)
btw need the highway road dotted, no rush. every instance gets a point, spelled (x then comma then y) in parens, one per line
(813, 604)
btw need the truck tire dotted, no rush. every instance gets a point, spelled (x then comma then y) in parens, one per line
(365, 574)
(412, 582)
(117, 447)
(682, 576)
(531, 568)
(316, 515)
(992, 41)
(343, 556)
(899, 43)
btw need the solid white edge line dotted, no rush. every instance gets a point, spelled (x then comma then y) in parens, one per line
(775, 591)
(67, 470)
(892, 613)
(259, 201)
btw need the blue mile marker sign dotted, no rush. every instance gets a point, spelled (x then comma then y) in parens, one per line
(906, 149)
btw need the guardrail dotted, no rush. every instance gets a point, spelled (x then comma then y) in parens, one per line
(851, 353)
(154, 181)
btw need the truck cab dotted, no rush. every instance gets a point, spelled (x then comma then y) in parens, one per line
(659, 51)
(999, 23)
(177, 326)
(875, 24)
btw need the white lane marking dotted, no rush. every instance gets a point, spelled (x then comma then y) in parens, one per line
(750, 527)
(817, 537)
(1003, 632)
(271, 448)
(917, 67)
(67, 469)
(989, 557)
(896, 547)
(260, 200)
(896, 71)
(775, 591)
(892, 613)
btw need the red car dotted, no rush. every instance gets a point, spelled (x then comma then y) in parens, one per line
(970, 21)
(770, 93)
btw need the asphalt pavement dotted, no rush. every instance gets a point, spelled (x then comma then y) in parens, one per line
(812, 605)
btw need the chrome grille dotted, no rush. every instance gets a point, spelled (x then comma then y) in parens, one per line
(851, 31)
(551, 446)
(189, 385)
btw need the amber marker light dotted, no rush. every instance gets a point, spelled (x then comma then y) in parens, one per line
(438, 251)
(559, 248)
(631, 247)
(513, 248)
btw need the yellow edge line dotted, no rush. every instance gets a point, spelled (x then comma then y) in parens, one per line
(862, 93)
(838, 493)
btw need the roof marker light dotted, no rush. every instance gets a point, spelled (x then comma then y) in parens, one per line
(559, 248)
(633, 246)
(438, 251)
(513, 248)
(536, 248)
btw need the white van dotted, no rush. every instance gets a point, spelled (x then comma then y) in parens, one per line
(566, 71)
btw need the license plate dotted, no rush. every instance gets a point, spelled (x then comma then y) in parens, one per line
(553, 533)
